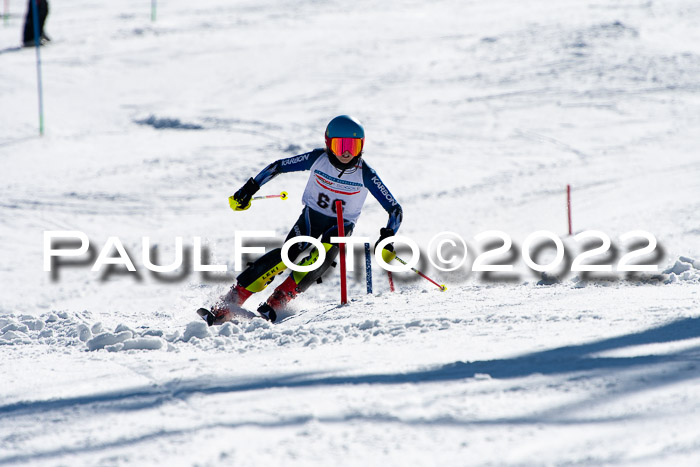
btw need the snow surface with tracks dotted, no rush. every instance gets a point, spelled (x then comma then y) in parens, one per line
(477, 116)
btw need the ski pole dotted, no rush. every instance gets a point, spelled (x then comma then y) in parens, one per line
(235, 205)
(442, 287)
(368, 267)
(282, 196)
(35, 17)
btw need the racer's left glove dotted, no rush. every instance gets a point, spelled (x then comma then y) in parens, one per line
(388, 252)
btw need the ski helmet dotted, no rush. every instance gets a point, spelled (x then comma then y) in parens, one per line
(344, 129)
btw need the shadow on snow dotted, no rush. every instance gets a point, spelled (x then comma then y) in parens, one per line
(578, 360)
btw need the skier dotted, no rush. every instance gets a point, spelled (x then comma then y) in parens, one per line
(338, 172)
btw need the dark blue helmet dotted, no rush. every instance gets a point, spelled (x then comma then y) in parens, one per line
(344, 126)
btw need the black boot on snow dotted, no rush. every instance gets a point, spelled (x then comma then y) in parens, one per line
(267, 312)
(206, 315)
(214, 317)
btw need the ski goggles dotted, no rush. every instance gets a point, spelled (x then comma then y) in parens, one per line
(352, 145)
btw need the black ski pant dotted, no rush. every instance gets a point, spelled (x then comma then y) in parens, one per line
(29, 21)
(310, 223)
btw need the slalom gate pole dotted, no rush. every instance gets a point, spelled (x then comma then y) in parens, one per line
(391, 281)
(6, 12)
(153, 10)
(283, 196)
(368, 268)
(568, 205)
(442, 287)
(35, 20)
(341, 233)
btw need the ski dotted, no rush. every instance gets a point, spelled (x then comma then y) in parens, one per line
(212, 320)
(207, 315)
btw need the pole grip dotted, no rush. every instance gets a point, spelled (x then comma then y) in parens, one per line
(341, 233)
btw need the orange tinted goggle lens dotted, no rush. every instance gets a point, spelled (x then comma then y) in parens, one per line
(352, 145)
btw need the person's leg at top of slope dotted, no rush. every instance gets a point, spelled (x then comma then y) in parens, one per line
(28, 38)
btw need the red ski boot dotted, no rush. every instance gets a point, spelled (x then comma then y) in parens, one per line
(236, 296)
(285, 292)
(221, 312)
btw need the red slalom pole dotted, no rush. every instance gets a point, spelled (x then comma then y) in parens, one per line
(341, 233)
(391, 281)
(568, 205)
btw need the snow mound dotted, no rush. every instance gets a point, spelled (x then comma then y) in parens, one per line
(77, 331)
(51, 329)
(198, 329)
(683, 270)
(107, 339)
(14, 337)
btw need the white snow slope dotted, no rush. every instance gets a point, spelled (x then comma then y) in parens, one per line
(478, 114)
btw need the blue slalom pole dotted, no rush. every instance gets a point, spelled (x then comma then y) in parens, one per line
(368, 267)
(35, 15)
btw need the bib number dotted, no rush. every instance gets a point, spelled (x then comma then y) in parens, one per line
(324, 201)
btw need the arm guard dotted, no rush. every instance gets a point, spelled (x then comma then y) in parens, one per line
(290, 164)
(382, 194)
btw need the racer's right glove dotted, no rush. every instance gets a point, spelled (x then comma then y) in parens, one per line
(240, 201)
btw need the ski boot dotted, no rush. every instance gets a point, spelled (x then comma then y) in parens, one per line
(221, 312)
(285, 292)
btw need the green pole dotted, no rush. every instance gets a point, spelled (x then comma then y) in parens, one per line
(6, 12)
(153, 10)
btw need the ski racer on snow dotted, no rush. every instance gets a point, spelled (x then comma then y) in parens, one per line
(338, 172)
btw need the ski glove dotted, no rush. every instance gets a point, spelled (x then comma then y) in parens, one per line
(240, 201)
(388, 251)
